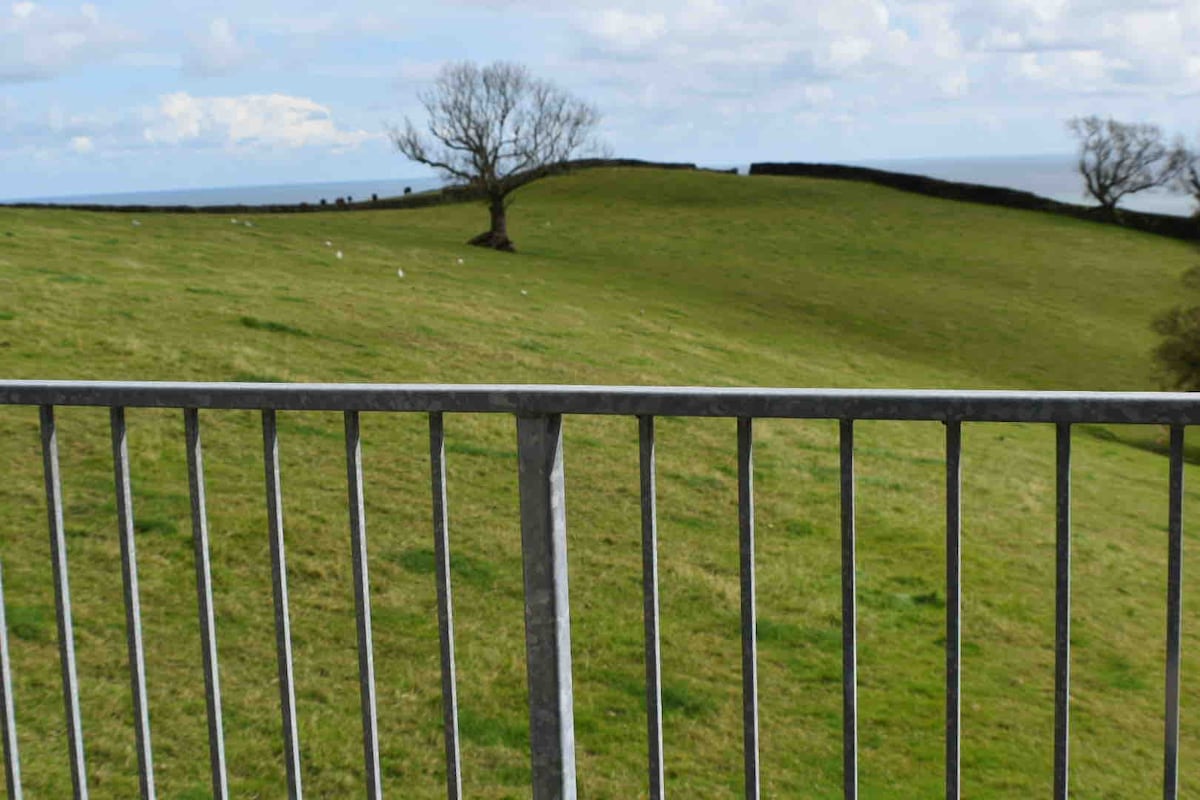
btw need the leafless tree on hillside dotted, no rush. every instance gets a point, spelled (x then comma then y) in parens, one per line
(495, 128)
(1187, 181)
(1119, 158)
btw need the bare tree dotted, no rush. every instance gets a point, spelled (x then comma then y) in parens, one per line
(495, 128)
(1187, 180)
(1118, 158)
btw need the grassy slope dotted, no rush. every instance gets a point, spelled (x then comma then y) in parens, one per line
(628, 277)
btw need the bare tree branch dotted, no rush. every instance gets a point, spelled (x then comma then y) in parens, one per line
(1187, 178)
(494, 127)
(1117, 158)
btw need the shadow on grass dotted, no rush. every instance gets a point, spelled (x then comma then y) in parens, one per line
(30, 623)
(474, 571)
(491, 731)
(1150, 438)
(680, 698)
(254, 323)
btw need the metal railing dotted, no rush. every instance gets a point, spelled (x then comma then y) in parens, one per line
(539, 412)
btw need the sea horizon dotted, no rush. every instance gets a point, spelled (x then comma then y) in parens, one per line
(1054, 176)
(312, 192)
(1051, 175)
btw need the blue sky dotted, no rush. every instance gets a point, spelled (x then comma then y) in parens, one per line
(131, 95)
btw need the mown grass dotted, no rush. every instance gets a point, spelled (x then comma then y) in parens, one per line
(625, 277)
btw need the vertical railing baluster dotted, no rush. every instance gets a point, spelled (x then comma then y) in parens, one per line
(849, 619)
(953, 606)
(745, 427)
(445, 600)
(1062, 612)
(547, 608)
(8, 713)
(133, 606)
(650, 615)
(283, 628)
(62, 602)
(204, 604)
(1174, 616)
(362, 604)
(547, 618)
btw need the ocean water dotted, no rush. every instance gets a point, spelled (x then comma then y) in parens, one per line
(283, 194)
(1053, 176)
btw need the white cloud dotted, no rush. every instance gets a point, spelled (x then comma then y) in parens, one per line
(1001, 39)
(818, 95)
(755, 64)
(1074, 71)
(938, 32)
(219, 50)
(38, 43)
(954, 84)
(659, 63)
(1110, 45)
(54, 130)
(821, 38)
(715, 74)
(255, 121)
(845, 52)
(853, 15)
(300, 26)
(627, 30)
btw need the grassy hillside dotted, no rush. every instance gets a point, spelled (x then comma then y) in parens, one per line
(625, 276)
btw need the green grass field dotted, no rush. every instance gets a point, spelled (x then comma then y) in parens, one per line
(624, 277)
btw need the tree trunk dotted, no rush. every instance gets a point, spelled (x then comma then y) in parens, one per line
(496, 237)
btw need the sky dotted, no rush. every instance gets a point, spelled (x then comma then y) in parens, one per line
(135, 96)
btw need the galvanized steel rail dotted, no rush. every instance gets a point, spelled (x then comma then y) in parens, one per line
(539, 411)
(204, 603)
(1165, 408)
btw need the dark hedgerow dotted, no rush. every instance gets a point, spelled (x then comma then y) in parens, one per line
(1178, 354)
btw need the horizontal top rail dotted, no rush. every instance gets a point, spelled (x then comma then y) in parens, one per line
(1176, 408)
